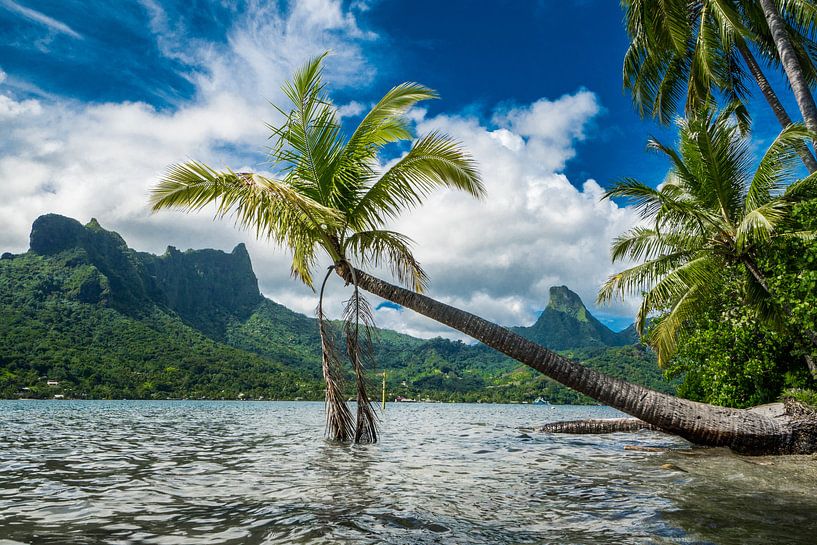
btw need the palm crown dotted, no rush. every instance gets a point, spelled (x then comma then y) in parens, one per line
(712, 212)
(329, 191)
(686, 51)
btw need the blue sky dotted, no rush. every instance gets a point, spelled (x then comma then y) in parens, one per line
(99, 97)
(504, 52)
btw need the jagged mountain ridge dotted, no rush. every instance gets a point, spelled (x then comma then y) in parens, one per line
(213, 296)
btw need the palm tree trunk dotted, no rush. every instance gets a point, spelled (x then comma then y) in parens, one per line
(600, 425)
(699, 423)
(774, 103)
(788, 58)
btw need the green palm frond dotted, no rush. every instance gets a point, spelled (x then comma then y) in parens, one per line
(776, 167)
(761, 224)
(434, 161)
(701, 273)
(663, 336)
(306, 145)
(669, 207)
(381, 247)
(354, 168)
(802, 190)
(805, 236)
(802, 14)
(385, 122)
(641, 278)
(270, 208)
(715, 151)
(644, 243)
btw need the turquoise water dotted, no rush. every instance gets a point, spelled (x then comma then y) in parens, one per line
(180, 472)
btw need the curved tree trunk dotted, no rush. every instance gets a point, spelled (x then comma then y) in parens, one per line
(788, 58)
(699, 423)
(598, 425)
(774, 102)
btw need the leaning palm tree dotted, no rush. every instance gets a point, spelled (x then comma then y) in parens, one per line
(330, 196)
(713, 212)
(689, 52)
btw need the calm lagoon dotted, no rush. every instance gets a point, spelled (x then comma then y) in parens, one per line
(185, 472)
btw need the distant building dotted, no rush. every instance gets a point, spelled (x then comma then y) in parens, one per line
(53, 383)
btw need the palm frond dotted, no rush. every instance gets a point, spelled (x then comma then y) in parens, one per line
(385, 122)
(778, 164)
(701, 271)
(382, 247)
(357, 312)
(270, 208)
(644, 243)
(669, 207)
(339, 422)
(802, 190)
(663, 336)
(306, 145)
(761, 224)
(641, 278)
(434, 161)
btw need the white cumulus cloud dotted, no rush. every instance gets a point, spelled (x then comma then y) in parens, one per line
(498, 257)
(495, 257)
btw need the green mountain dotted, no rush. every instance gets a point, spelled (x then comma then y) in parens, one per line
(566, 323)
(105, 321)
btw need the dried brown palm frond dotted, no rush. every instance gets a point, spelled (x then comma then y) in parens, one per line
(360, 349)
(339, 423)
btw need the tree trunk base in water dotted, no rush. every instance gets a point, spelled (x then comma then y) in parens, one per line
(605, 425)
(798, 421)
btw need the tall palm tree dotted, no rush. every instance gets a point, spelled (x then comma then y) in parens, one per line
(713, 212)
(795, 56)
(689, 51)
(330, 196)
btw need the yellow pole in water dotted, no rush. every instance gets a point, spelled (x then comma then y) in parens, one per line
(384, 389)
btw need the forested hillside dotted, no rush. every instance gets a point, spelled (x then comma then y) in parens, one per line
(104, 321)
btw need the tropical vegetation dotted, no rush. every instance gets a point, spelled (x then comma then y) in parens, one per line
(741, 335)
(693, 53)
(712, 213)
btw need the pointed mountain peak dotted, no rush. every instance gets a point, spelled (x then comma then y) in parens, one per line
(566, 323)
(240, 249)
(569, 302)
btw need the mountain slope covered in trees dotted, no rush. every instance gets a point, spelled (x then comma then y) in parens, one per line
(105, 321)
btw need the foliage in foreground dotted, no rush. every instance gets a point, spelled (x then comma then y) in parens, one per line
(728, 357)
(716, 213)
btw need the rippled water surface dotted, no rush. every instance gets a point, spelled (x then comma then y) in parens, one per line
(230, 472)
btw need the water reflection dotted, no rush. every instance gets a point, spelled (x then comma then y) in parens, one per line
(223, 473)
